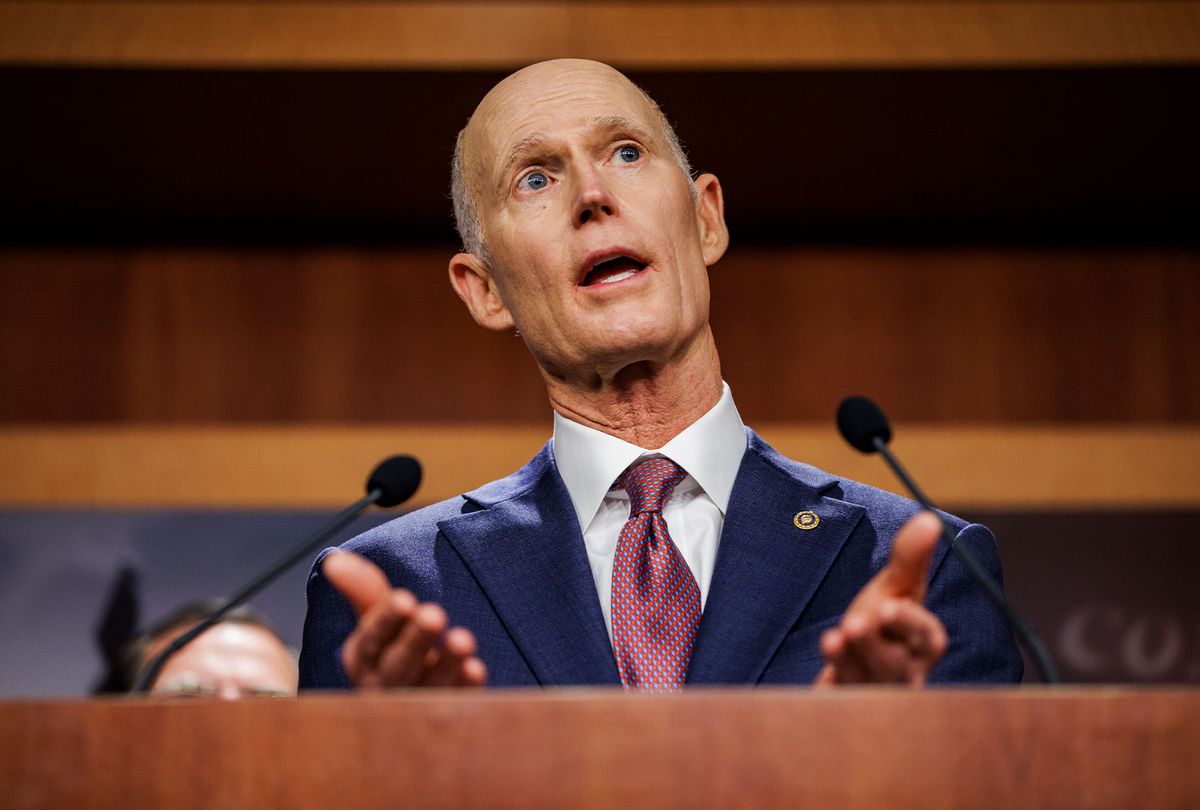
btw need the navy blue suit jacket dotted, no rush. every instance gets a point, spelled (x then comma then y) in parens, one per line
(508, 562)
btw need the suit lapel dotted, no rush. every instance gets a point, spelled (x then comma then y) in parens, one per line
(526, 552)
(767, 568)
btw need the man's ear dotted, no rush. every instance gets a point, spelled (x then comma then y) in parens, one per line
(710, 213)
(474, 284)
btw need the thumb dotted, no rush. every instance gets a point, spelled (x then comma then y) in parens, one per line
(912, 549)
(358, 579)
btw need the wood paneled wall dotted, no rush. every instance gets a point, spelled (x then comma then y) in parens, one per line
(990, 123)
(194, 335)
(456, 35)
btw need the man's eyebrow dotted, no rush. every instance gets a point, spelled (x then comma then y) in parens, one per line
(529, 143)
(619, 123)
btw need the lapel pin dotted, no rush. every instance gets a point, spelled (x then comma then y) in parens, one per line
(806, 520)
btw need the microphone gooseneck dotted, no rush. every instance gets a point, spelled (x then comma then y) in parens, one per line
(864, 426)
(392, 482)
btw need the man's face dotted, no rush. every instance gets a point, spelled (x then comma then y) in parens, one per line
(597, 244)
(231, 660)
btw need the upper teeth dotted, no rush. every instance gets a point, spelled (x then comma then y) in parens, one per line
(618, 277)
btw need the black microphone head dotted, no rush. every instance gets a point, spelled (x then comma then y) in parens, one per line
(397, 478)
(860, 420)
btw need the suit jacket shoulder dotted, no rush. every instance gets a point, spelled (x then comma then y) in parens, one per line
(982, 648)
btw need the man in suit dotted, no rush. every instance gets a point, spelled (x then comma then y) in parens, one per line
(655, 541)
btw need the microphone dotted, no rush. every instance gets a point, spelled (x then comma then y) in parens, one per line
(864, 426)
(391, 483)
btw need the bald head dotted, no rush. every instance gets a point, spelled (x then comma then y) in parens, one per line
(487, 142)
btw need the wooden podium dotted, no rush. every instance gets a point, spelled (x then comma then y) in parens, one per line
(865, 747)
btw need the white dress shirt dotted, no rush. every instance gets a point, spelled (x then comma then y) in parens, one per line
(710, 451)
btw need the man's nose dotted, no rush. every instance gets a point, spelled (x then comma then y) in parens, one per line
(595, 199)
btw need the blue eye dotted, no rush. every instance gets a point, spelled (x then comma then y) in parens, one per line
(629, 154)
(535, 181)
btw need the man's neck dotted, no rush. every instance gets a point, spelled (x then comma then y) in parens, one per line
(645, 404)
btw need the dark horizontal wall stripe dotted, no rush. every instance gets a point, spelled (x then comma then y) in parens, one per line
(215, 156)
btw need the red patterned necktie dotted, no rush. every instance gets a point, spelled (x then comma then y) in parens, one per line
(655, 601)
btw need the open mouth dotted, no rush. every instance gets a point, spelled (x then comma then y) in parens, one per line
(613, 270)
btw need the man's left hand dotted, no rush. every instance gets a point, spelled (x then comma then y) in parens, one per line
(887, 635)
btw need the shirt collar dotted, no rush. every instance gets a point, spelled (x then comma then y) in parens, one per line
(710, 450)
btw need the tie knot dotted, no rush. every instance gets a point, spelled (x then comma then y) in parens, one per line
(649, 483)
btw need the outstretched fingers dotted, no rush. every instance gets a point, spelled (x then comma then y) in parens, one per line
(377, 630)
(399, 641)
(886, 634)
(897, 641)
(407, 662)
(358, 579)
(912, 549)
(456, 664)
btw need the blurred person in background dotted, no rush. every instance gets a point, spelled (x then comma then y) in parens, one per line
(242, 656)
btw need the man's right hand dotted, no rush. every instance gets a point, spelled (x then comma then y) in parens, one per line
(399, 641)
